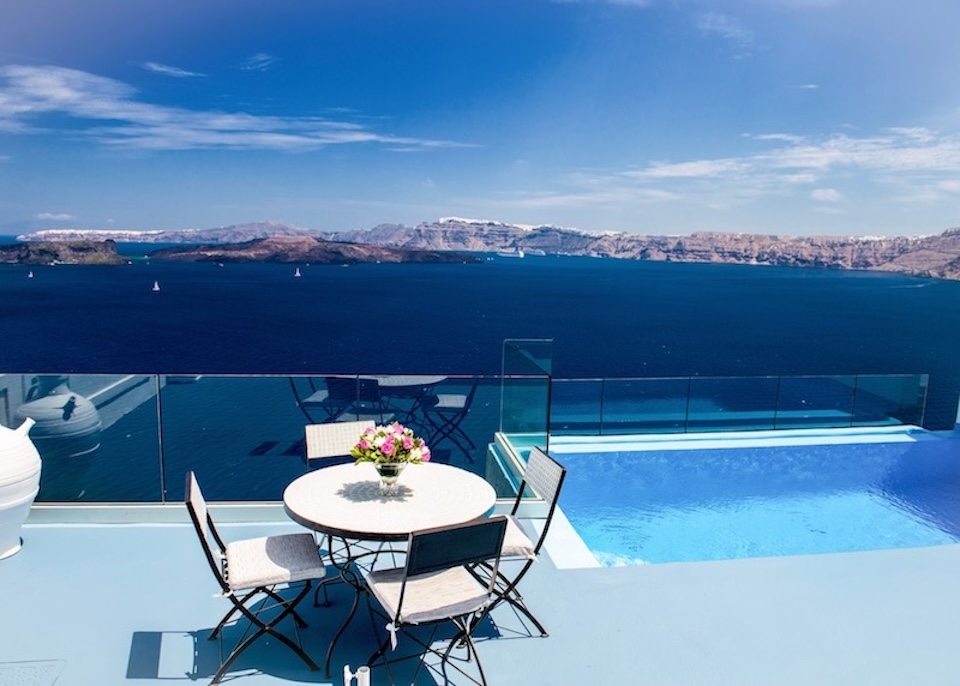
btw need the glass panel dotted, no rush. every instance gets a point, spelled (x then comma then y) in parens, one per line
(896, 399)
(96, 434)
(815, 401)
(242, 435)
(576, 407)
(525, 395)
(457, 417)
(732, 404)
(644, 406)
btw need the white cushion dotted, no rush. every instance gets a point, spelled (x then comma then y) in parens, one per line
(271, 560)
(449, 593)
(516, 543)
(449, 401)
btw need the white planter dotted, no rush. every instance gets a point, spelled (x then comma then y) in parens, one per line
(19, 483)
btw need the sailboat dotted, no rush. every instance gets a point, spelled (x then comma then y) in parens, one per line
(156, 286)
(297, 272)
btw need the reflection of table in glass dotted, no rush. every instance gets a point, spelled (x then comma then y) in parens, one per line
(407, 394)
(381, 397)
(345, 501)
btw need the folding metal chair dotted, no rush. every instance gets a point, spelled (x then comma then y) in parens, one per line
(249, 572)
(437, 585)
(328, 443)
(444, 415)
(544, 476)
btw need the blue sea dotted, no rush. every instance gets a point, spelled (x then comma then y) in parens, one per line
(608, 318)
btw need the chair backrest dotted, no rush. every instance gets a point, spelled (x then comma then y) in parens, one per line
(213, 545)
(433, 550)
(544, 476)
(368, 390)
(334, 439)
(342, 389)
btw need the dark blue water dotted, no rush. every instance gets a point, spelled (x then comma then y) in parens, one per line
(608, 318)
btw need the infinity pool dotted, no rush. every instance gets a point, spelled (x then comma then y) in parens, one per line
(753, 495)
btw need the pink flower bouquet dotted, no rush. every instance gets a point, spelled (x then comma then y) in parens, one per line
(390, 443)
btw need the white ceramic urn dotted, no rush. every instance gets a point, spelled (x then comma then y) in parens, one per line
(19, 483)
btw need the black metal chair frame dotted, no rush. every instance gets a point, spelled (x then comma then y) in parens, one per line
(545, 478)
(243, 604)
(434, 550)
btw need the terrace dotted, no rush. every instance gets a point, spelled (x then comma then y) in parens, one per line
(111, 586)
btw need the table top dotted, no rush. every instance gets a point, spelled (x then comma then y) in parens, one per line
(397, 380)
(345, 500)
(407, 380)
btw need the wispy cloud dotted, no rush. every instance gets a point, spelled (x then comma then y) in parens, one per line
(714, 23)
(623, 3)
(108, 112)
(908, 165)
(950, 185)
(167, 70)
(54, 216)
(260, 61)
(808, 86)
(826, 195)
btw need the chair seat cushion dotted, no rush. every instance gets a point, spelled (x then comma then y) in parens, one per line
(449, 401)
(317, 397)
(516, 543)
(429, 597)
(272, 560)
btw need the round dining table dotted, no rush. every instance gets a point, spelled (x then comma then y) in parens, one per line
(345, 500)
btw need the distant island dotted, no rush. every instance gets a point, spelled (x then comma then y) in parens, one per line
(929, 256)
(279, 249)
(302, 249)
(64, 252)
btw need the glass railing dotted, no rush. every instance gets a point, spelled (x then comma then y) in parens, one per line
(699, 404)
(132, 438)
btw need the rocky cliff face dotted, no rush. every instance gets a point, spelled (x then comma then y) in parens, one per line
(933, 256)
(292, 249)
(930, 256)
(74, 252)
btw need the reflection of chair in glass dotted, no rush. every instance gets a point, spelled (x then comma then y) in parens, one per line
(436, 585)
(312, 399)
(249, 571)
(544, 476)
(356, 398)
(444, 413)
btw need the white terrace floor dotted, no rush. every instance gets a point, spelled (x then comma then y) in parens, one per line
(98, 605)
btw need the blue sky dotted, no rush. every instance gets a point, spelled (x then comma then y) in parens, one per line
(650, 116)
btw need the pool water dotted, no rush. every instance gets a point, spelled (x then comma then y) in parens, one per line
(738, 501)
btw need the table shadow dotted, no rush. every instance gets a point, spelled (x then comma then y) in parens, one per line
(369, 491)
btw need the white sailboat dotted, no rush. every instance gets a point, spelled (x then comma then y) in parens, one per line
(156, 286)
(297, 272)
